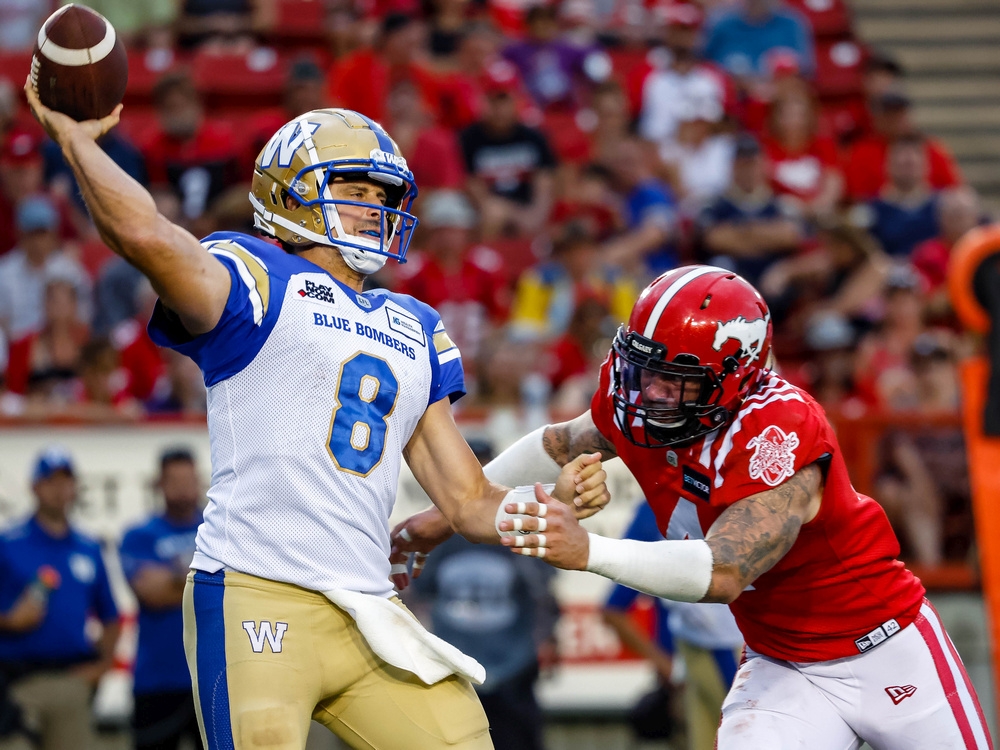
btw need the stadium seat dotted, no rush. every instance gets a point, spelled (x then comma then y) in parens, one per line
(839, 67)
(842, 117)
(299, 24)
(15, 66)
(252, 80)
(144, 69)
(570, 143)
(829, 18)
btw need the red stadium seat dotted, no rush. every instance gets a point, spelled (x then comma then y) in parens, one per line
(144, 69)
(298, 23)
(570, 143)
(15, 67)
(253, 80)
(844, 117)
(839, 67)
(829, 18)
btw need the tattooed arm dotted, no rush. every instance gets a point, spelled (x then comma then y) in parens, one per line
(753, 534)
(565, 441)
(746, 541)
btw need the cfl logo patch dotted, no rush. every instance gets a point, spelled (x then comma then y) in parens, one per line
(265, 632)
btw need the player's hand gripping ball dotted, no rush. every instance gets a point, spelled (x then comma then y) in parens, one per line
(79, 66)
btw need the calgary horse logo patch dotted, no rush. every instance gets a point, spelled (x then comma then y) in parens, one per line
(750, 334)
(773, 459)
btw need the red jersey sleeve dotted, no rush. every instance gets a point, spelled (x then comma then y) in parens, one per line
(768, 442)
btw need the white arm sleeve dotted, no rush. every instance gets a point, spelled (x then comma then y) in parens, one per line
(523, 463)
(678, 570)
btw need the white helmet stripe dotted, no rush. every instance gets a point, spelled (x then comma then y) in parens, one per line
(669, 294)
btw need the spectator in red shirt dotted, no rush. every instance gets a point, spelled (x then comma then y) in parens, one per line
(52, 352)
(865, 165)
(573, 360)
(138, 356)
(362, 80)
(195, 155)
(462, 95)
(431, 151)
(464, 281)
(804, 166)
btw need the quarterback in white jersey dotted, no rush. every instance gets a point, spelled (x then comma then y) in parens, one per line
(316, 390)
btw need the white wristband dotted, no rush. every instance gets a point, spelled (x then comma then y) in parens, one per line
(524, 461)
(521, 496)
(678, 570)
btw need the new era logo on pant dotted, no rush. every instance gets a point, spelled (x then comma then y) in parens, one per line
(899, 693)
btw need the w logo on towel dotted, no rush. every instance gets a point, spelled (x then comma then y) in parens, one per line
(265, 632)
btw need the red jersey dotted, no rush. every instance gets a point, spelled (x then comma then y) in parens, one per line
(840, 582)
(864, 167)
(800, 173)
(468, 300)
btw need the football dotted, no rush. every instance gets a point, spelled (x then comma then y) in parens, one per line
(79, 66)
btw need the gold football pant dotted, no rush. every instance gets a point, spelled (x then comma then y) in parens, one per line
(266, 657)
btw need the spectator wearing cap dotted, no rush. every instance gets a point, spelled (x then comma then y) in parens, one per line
(645, 245)
(363, 79)
(741, 39)
(905, 213)
(747, 228)
(22, 174)
(37, 259)
(675, 75)
(185, 146)
(866, 161)
(52, 583)
(701, 155)
(804, 165)
(555, 71)
(463, 280)
(510, 164)
(156, 556)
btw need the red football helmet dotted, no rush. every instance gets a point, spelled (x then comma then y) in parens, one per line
(694, 348)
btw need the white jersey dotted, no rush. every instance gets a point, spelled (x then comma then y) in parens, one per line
(313, 391)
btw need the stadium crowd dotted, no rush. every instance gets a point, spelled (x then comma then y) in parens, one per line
(566, 153)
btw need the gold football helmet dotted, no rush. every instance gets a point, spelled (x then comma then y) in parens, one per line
(301, 160)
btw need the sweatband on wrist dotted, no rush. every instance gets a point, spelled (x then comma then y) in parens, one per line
(519, 495)
(678, 570)
(524, 461)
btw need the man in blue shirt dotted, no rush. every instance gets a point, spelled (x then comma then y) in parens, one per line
(52, 581)
(650, 215)
(742, 40)
(156, 557)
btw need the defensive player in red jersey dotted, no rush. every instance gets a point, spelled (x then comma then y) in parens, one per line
(842, 646)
